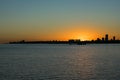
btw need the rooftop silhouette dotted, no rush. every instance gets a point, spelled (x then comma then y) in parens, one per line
(103, 40)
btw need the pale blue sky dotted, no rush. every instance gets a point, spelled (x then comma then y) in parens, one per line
(42, 17)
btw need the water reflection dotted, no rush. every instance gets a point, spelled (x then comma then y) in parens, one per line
(59, 62)
(85, 63)
(87, 67)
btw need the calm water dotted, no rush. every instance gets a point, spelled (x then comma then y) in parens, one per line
(59, 62)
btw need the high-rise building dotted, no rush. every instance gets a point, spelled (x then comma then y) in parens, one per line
(113, 38)
(106, 37)
(103, 39)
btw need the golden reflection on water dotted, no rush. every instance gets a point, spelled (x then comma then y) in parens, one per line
(87, 67)
(85, 64)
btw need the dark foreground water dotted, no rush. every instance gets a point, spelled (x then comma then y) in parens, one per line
(59, 62)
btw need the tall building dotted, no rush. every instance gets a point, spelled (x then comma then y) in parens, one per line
(103, 39)
(113, 38)
(106, 37)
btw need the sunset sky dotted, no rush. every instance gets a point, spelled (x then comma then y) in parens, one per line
(58, 19)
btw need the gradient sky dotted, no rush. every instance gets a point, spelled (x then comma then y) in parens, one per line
(58, 19)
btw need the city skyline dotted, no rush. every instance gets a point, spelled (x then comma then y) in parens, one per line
(36, 20)
(103, 40)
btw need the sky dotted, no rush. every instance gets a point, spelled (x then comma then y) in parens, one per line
(34, 20)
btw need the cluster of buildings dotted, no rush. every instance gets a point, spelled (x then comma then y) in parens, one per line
(103, 40)
(106, 38)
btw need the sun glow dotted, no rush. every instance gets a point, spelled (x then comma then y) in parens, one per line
(83, 31)
(83, 38)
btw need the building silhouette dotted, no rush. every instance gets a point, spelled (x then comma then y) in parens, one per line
(103, 39)
(106, 37)
(113, 38)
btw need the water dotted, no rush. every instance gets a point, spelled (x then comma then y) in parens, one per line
(59, 62)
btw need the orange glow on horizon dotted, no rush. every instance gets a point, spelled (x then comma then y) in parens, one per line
(78, 31)
(83, 31)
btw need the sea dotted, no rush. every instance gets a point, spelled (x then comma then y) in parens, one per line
(59, 62)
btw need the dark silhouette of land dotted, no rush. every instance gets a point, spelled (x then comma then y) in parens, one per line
(103, 40)
(40, 42)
